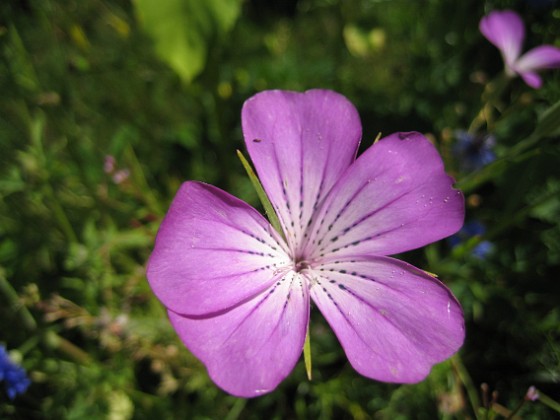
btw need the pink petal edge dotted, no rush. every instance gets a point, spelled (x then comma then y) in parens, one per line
(213, 251)
(300, 144)
(393, 320)
(504, 29)
(539, 58)
(250, 349)
(394, 198)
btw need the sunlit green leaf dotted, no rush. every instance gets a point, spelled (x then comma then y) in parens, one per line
(182, 30)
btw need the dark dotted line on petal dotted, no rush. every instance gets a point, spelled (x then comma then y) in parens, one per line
(301, 200)
(289, 291)
(335, 303)
(360, 221)
(260, 254)
(306, 233)
(315, 206)
(341, 211)
(355, 243)
(263, 300)
(261, 240)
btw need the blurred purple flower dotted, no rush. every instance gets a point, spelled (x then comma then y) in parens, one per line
(109, 164)
(110, 168)
(473, 151)
(532, 394)
(506, 31)
(16, 381)
(120, 176)
(239, 295)
(468, 231)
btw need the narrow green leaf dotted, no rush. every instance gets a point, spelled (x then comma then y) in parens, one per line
(307, 354)
(549, 122)
(546, 400)
(270, 213)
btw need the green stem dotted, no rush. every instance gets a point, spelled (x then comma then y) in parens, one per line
(503, 225)
(465, 378)
(140, 182)
(236, 410)
(549, 402)
(53, 340)
(270, 213)
(275, 222)
(490, 97)
(14, 302)
(516, 410)
(516, 153)
(548, 125)
(36, 133)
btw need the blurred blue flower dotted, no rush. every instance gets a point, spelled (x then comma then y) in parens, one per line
(15, 377)
(468, 231)
(473, 151)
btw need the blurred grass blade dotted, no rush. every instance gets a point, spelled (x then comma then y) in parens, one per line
(546, 400)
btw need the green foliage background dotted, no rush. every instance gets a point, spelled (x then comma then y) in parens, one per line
(159, 85)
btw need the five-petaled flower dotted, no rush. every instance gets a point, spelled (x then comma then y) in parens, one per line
(506, 31)
(239, 294)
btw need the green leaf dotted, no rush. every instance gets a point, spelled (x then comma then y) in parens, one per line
(183, 29)
(549, 122)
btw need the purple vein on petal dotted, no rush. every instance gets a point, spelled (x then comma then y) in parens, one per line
(337, 217)
(357, 277)
(259, 239)
(356, 242)
(293, 276)
(349, 228)
(286, 224)
(265, 297)
(335, 303)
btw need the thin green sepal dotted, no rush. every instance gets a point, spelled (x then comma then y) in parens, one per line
(275, 222)
(270, 213)
(307, 353)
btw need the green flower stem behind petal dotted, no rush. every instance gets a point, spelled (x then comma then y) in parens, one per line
(273, 218)
(270, 213)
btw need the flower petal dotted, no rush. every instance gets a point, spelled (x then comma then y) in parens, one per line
(393, 320)
(506, 31)
(539, 58)
(250, 349)
(212, 251)
(300, 144)
(394, 198)
(532, 79)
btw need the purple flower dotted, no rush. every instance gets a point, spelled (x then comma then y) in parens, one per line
(532, 394)
(506, 31)
(239, 295)
(109, 164)
(16, 381)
